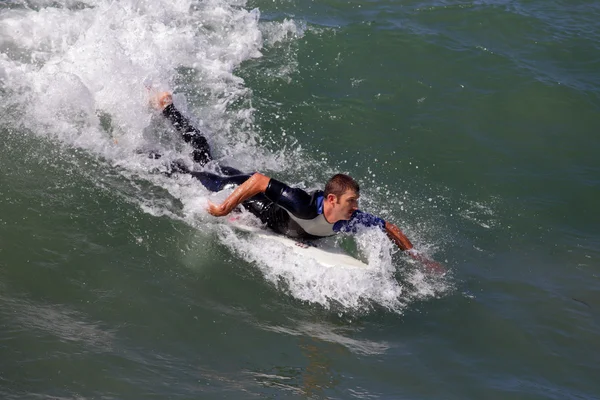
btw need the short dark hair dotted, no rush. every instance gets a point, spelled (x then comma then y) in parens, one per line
(339, 184)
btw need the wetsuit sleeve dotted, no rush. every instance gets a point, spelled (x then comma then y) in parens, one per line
(294, 200)
(358, 219)
(190, 134)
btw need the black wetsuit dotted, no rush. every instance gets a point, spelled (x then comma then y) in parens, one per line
(286, 210)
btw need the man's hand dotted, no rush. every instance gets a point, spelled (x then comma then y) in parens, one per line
(431, 266)
(216, 210)
(256, 184)
(405, 245)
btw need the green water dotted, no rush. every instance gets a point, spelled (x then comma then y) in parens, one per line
(472, 125)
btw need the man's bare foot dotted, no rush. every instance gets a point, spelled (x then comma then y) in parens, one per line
(160, 101)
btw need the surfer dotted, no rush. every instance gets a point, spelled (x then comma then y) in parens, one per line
(286, 210)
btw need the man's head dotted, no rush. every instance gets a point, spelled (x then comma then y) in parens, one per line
(340, 198)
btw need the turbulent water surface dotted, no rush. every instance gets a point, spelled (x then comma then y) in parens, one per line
(471, 125)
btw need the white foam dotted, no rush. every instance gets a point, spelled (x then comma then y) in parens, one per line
(356, 289)
(277, 32)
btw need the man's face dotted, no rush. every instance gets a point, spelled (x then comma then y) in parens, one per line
(343, 206)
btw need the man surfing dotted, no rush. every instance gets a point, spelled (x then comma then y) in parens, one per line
(289, 211)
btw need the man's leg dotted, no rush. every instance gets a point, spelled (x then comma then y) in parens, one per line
(215, 182)
(201, 153)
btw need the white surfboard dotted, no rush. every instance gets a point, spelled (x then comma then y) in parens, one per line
(323, 253)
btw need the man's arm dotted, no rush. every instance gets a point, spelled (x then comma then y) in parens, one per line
(404, 244)
(256, 184)
(397, 236)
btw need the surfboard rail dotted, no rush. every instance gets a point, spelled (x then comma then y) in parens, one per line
(323, 253)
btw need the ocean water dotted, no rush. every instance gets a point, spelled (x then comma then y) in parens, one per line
(474, 126)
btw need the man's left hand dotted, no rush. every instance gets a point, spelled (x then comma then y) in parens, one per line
(431, 266)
